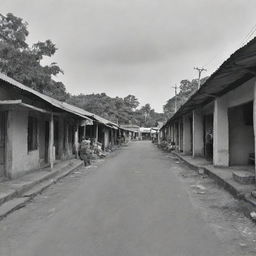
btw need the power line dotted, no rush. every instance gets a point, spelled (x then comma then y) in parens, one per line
(243, 41)
(249, 34)
(211, 60)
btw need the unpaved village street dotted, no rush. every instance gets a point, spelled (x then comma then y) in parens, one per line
(139, 201)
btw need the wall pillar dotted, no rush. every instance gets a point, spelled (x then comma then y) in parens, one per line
(104, 142)
(112, 138)
(180, 135)
(169, 132)
(176, 134)
(186, 135)
(159, 137)
(115, 136)
(220, 133)
(198, 134)
(106, 137)
(66, 139)
(173, 133)
(61, 138)
(254, 121)
(51, 149)
(76, 142)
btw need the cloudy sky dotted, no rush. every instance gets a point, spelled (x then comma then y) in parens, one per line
(139, 47)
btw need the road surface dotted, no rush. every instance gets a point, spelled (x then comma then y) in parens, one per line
(134, 203)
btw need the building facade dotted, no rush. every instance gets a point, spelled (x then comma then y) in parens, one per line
(218, 121)
(37, 131)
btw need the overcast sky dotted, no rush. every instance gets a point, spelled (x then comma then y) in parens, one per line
(139, 47)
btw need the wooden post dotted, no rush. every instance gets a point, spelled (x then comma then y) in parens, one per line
(96, 133)
(51, 141)
(112, 138)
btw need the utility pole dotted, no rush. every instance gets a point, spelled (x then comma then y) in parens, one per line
(175, 102)
(200, 70)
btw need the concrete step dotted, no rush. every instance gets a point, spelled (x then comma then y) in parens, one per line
(6, 194)
(244, 177)
(14, 203)
(253, 194)
(250, 199)
(12, 206)
(11, 200)
(39, 188)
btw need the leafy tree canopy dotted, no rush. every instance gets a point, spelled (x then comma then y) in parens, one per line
(187, 89)
(121, 110)
(131, 101)
(23, 62)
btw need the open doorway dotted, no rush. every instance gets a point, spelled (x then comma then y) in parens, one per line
(241, 135)
(208, 137)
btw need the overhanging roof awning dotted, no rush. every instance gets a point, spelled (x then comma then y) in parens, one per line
(57, 104)
(236, 70)
(21, 103)
(113, 127)
(105, 121)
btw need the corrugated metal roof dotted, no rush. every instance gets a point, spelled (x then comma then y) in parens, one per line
(104, 121)
(236, 70)
(58, 104)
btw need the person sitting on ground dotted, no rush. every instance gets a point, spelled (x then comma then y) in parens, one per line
(99, 151)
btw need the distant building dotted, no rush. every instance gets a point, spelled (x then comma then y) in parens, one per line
(145, 133)
(131, 129)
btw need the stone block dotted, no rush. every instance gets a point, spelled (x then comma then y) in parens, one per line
(244, 177)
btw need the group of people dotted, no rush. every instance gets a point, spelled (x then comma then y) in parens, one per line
(88, 148)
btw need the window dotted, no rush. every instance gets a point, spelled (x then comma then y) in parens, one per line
(32, 133)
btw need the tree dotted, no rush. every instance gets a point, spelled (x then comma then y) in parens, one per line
(147, 117)
(117, 109)
(146, 109)
(187, 89)
(169, 107)
(113, 109)
(131, 101)
(23, 63)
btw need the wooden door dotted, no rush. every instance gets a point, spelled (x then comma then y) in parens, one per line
(2, 142)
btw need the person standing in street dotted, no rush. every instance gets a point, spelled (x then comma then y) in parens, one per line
(84, 151)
